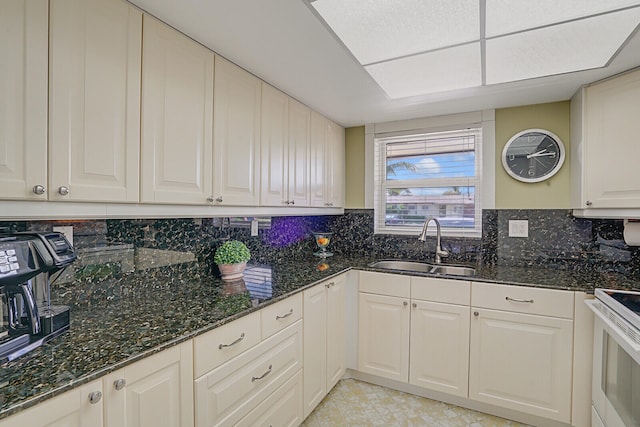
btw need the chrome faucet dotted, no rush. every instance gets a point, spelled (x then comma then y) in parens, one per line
(440, 253)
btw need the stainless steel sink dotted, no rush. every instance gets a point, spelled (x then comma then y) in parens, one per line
(420, 267)
(423, 267)
(453, 270)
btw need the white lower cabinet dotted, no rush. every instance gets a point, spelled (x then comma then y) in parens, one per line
(383, 336)
(522, 361)
(231, 391)
(439, 347)
(73, 409)
(155, 392)
(324, 350)
(283, 408)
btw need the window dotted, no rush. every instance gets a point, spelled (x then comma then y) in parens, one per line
(429, 174)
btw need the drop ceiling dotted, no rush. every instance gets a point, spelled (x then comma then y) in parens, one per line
(356, 61)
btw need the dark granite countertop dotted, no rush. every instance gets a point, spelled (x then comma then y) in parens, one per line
(122, 319)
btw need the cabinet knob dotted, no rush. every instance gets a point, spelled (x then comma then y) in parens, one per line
(39, 189)
(475, 313)
(63, 191)
(405, 303)
(589, 203)
(94, 397)
(414, 305)
(292, 202)
(211, 199)
(119, 384)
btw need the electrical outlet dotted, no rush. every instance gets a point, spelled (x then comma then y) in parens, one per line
(254, 227)
(518, 228)
(67, 230)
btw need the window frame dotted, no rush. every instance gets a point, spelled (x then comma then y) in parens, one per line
(381, 184)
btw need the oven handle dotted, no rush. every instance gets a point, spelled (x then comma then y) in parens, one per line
(592, 304)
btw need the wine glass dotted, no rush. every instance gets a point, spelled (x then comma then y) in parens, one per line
(323, 240)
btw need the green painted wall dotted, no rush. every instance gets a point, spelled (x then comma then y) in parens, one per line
(354, 168)
(553, 193)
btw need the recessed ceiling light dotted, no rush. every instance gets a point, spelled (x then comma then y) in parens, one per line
(441, 70)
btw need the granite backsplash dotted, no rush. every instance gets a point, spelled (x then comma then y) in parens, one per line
(556, 239)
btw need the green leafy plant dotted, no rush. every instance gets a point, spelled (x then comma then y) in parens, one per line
(232, 252)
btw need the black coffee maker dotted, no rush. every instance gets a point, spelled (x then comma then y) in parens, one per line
(28, 261)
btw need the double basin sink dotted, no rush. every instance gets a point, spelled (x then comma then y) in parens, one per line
(423, 267)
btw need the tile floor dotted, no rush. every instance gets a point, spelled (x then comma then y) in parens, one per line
(355, 403)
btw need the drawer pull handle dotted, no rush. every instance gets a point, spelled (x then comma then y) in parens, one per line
(254, 379)
(528, 301)
(330, 284)
(285, 316)
(221, 346)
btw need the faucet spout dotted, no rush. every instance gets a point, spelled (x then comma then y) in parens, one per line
(440, 253)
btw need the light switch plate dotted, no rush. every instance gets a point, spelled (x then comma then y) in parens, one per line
(518, 228)
(254, 227)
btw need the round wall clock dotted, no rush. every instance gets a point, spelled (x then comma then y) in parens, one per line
(533, 155)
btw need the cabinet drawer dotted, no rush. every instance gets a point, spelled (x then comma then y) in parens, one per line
(231, 391)
(278, 316)
(393, 285)
(522, 299)
(441, 290)
(282, 408)
(212, 349)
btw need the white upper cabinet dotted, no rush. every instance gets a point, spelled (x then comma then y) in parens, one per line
(285, 150)
(299, 121)
(274, 126)
(23, 99)
(335, 166)
(327, 162)
(236, 137)
(177, 117)
(94, 100)
(604, 147)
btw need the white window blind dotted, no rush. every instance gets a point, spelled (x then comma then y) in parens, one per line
(429, 174)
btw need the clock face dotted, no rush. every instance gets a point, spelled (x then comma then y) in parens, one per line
(533, 155)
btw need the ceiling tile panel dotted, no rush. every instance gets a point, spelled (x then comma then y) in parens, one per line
(378, 30)
(579, 45)
(437, 71)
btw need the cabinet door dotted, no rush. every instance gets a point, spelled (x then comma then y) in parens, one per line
(383, 336)
(318, 165)
(440, 347)
(335, 331)
(335, 166)
(23, 99)
(70, 409)
(611, 143)
(315, 347)
(236, 136)
(94, 103)
(177, 117)
(298, 148)
(274, 138)
(156, 392)
(522, 362)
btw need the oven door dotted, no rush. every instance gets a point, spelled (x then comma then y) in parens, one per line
(616, 371)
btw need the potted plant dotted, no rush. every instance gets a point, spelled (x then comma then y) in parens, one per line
(232, 257)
